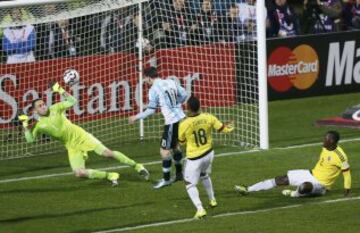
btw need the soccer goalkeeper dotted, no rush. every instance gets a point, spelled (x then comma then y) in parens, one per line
(53, 122)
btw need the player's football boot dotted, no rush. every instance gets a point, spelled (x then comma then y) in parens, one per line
(142, 171)
(113, 178)
(162, 183)
(286, 192)
(241, 189)
(200, 214)
(290, 193)
(213, 203)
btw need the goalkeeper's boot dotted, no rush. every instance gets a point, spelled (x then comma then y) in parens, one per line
(213, 203)
(200, 214)
(241, 189)
(113, 178)
(142, 171)
(162, 183)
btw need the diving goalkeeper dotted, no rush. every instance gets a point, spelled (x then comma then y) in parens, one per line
(53, 122)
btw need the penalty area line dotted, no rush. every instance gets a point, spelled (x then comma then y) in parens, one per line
(225, 154)
(224, 215)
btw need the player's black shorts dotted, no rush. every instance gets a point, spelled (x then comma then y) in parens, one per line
(169, 138)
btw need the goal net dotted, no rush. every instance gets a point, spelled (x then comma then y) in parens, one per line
(211, 51)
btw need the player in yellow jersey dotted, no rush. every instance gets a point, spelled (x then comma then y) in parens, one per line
(52, 121)
(195, 133)
(332, 162)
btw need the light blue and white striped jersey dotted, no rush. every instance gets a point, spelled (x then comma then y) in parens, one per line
(168, 95)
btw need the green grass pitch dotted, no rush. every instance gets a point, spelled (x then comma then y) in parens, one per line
(63, 203)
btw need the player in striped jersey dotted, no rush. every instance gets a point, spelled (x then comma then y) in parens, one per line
(169, 96)
(317, 181)
(195, 132)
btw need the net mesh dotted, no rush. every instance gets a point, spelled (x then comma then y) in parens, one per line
(211, 52)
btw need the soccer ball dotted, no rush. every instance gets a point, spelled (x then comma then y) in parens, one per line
(71, 77)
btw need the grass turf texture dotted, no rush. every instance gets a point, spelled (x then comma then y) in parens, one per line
(67, 204)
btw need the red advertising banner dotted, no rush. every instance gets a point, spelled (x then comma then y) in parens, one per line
(109, 83)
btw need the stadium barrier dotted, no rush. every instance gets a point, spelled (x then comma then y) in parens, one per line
(313, 65)
(110, 88)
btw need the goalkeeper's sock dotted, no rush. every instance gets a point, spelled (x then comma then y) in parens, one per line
(96, 174)
(124, 159)
(263, 185)
(166, 167)
(177, 158)
(194, 196)
(208, 187)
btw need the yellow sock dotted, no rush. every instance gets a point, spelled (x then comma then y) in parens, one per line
(124, 159)
(96, 174)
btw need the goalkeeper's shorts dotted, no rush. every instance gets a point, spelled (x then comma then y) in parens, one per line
(79, 153)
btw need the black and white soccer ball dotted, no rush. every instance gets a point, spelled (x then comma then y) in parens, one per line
(71, 77)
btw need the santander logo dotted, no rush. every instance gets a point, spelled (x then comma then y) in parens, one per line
(297, 68)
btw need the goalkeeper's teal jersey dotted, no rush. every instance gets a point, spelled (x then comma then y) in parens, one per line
(58, 126)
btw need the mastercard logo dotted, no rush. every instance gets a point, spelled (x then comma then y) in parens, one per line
(297, 68)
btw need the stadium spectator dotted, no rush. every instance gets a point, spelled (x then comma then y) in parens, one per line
(351, 14)
(207, 25)
(232, 28)
(44, 34)
(283, 20)
(321, 16)
(64, 42)
(222, 6)
(247, 14)
(18, 42)
(87, 33)
(129, 36)
(112, 28)
(174, 20)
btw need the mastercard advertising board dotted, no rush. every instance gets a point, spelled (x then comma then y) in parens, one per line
(313, 65)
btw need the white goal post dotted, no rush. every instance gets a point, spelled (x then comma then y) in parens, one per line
(217, 55)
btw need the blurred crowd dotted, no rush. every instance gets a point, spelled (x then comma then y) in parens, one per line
(168, 24)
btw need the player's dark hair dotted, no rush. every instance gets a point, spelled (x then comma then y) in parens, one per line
(193, 104)
(34, 102)
(335, 136)
(151, 72)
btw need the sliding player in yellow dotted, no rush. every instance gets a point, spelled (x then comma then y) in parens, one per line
(332, 162)
(53, 122)
(195, 132)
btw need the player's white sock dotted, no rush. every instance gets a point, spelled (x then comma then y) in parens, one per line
(263, 185)
(208, 187)
(194, 196)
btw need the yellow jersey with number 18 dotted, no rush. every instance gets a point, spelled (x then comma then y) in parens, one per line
(195, 132)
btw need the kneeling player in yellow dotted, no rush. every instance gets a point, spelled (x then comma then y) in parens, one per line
(332, 162)
(195, 132)
(53, 122)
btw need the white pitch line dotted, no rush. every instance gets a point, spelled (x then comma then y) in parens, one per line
(225, 154)
(157, 224)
